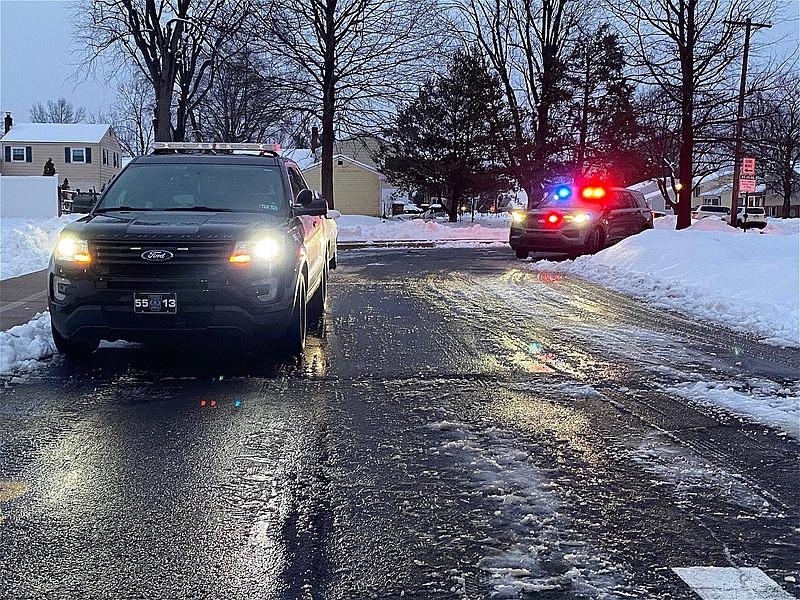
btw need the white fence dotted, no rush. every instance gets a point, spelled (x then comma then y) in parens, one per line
(28, 196)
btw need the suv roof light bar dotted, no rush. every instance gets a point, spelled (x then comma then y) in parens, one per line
(211, 146)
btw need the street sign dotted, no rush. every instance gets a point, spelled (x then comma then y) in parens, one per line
(748, 166)
(747, 185)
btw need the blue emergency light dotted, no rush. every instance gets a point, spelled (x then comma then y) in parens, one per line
(563, 191)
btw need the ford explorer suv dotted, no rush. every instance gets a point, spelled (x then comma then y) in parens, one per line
(579, 219)
(196, 240)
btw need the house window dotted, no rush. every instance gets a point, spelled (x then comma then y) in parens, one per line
(116, 160)
(78, 155)
(18, 153)
(105, 156)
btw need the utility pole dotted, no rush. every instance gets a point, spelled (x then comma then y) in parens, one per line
(737, 155)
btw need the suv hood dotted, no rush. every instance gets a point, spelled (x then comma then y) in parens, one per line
(162, 226)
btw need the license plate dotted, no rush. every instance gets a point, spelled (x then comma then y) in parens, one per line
(158, 304)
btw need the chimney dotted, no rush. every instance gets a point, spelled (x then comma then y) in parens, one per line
(314, 139)
(8, 121)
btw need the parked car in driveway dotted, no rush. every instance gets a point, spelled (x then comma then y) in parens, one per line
(710, 210)
(196, 240)
(579, 219)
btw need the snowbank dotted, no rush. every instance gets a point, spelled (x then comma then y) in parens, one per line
(355, 228)
(25, 244)
(747, 280)
(22, 346)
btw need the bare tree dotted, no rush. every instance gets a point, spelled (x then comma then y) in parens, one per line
(248, 101)
(773, 129)
(172, 42)
(58, 111)
(132, 115)
(354, 59)
(526, 42)
(687, 48)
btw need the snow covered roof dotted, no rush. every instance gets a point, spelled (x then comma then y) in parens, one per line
(84, 133)
(350, 160)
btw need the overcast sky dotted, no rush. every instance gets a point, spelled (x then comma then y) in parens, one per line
(39, 59)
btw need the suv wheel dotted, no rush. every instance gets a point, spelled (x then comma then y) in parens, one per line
(73, 348)
(294, 340)
(521, 253)
(318, 302)
(594, 242)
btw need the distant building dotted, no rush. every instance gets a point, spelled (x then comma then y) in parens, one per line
(357, 187)
(716, 190)
(88, 155)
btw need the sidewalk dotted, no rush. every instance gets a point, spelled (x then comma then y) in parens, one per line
(21, 298)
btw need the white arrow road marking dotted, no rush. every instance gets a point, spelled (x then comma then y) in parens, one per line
(730, 583)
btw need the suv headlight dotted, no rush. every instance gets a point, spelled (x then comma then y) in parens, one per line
(72, 249)
(265, 249)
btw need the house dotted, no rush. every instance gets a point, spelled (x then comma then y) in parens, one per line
(357, 187)
(88, 155)
(716, 190)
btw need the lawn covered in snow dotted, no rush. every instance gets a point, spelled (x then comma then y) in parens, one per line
(356, 228)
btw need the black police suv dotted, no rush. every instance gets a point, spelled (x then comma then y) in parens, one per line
(195, 240)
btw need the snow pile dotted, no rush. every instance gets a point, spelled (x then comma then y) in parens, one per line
(25, 244)
(22, 346)
(356, 228)
(747, 280)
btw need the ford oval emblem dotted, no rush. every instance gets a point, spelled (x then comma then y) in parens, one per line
(157, 255)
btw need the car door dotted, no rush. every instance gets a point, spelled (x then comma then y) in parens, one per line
(618, 216)
(642, 217)
(314, 232)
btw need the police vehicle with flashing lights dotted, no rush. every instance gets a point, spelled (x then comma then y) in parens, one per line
(205, 240)
(579, 219)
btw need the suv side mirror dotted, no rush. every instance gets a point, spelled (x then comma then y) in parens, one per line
(305, 197)
(316, 205)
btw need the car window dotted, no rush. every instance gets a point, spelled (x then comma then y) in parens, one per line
(177, 186)
(296, 181)
(621, 200)
(640, 200)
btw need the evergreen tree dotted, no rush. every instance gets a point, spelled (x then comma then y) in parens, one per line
(450, 136)
(603, 113)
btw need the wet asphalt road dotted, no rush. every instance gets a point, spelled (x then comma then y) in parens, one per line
(462, 428)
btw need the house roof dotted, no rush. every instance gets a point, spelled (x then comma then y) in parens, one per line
(350, 160)
(82, 133)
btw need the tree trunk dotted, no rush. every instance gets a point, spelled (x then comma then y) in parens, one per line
(787, 194)
(328, 103)
(686, 28)
(163, 125)
(584, 122)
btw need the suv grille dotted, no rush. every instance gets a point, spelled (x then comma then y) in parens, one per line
(189, 259)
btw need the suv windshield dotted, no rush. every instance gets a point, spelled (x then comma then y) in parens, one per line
(716, 209)
(185, 186)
